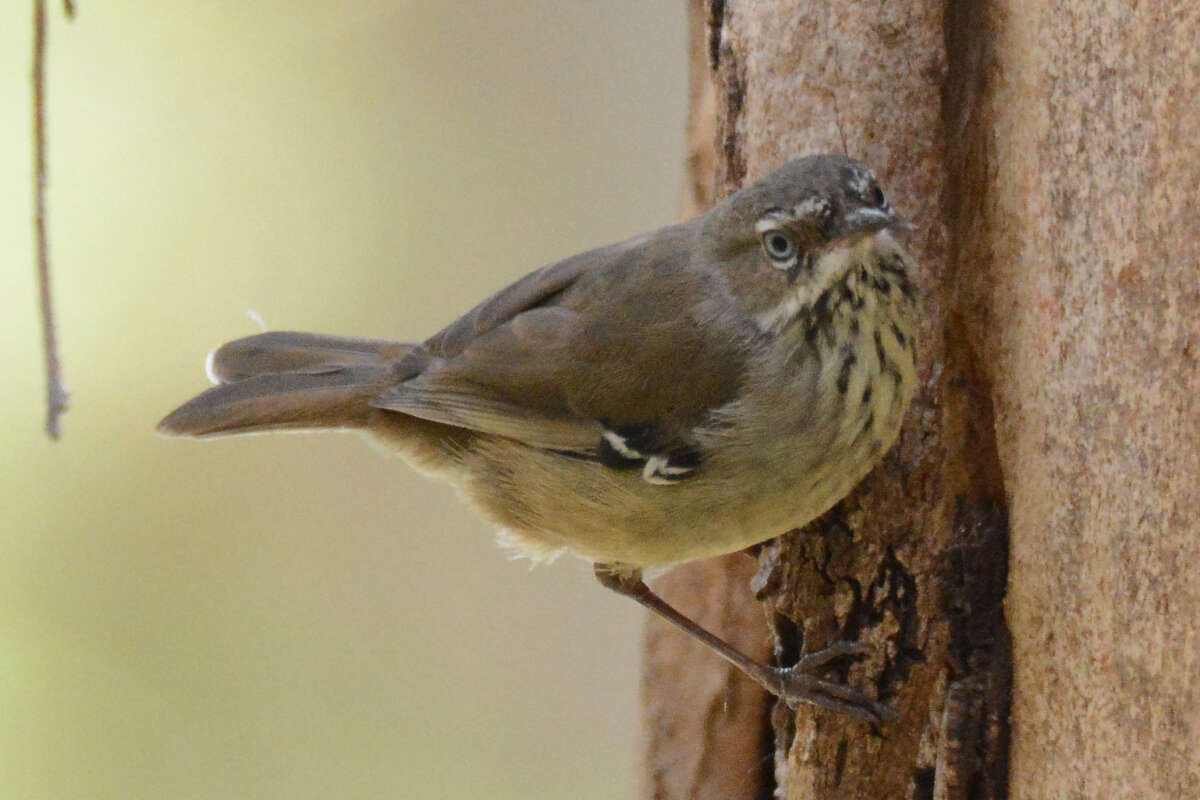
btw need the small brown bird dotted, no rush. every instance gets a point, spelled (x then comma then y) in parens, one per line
(684, 394)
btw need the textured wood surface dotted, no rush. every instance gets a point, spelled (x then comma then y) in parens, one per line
(1047, 155)
(1078, 272)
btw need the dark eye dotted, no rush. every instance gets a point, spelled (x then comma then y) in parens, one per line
(878, 198)
(778, 246)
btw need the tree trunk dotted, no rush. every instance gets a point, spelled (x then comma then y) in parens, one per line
(1046, 155)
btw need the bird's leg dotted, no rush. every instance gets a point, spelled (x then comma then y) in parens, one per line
(793, 684)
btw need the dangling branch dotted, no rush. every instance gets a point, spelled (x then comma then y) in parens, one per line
(56, 392)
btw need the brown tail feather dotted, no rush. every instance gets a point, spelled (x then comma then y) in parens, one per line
(281, 380)
(287, 352)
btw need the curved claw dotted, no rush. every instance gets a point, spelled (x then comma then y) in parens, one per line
(820, 658)
(794, 685)
(797, 684)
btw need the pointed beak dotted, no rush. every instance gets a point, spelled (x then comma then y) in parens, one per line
(869, 220)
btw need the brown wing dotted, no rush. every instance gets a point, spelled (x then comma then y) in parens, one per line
(507, 382)
(627, 338)
(535, 289)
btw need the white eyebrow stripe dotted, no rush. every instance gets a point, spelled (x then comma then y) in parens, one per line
(861, 182)
(773, 221)
(812, 206)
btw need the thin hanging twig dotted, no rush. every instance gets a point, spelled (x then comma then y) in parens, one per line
(56, 392)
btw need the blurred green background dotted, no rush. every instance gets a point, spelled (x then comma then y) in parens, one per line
(295, 616)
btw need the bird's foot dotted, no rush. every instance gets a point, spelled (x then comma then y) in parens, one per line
(799, 684)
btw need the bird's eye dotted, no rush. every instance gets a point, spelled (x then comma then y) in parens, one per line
(778, 246)
(877, 196)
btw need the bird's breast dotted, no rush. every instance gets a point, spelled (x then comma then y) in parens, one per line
(821, 401)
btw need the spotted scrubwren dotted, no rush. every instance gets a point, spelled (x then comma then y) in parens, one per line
(687, 393)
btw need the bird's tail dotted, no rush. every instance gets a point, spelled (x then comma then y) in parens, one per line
(288, 381)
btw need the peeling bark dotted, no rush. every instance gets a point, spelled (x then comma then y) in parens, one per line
(1047, 156)
(792, 78)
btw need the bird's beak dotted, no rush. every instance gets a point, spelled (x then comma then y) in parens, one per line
(869, 220)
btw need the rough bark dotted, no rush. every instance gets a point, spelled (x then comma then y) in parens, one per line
(1046, 155)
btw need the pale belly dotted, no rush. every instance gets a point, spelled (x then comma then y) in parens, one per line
(773, 467)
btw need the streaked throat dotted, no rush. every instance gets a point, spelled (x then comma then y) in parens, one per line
(832, 272)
